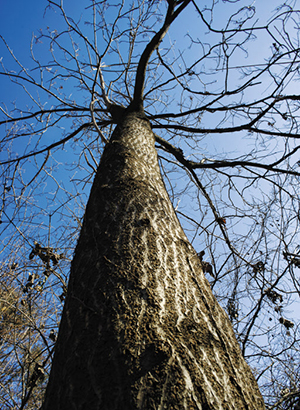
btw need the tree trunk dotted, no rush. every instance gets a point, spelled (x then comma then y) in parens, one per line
(140, 327)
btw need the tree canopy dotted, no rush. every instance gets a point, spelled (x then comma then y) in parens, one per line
(218, 84)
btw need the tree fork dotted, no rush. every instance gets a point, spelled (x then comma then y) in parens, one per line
(140, 327)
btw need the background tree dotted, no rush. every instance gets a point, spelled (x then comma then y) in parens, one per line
(201, 95)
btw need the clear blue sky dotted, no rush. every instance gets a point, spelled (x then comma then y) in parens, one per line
(18, 20)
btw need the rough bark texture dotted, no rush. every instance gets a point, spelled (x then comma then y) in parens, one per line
(141, 328)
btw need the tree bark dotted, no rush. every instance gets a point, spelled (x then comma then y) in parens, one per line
(140, 327)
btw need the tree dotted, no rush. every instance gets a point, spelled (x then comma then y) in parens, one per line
(139, 318)
(140, 327)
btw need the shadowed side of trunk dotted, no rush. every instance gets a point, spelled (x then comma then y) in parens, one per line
(140, 327)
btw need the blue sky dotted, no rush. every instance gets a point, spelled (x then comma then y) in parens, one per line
(18, 21)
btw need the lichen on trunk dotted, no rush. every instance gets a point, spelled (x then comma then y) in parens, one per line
(140, 327)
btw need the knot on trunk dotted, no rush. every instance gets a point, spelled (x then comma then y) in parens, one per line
(117, 112)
